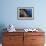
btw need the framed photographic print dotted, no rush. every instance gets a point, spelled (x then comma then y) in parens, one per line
(25, 13)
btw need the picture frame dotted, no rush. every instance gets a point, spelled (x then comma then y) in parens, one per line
(25, 13)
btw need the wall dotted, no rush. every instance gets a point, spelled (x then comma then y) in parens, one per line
(8, 13)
